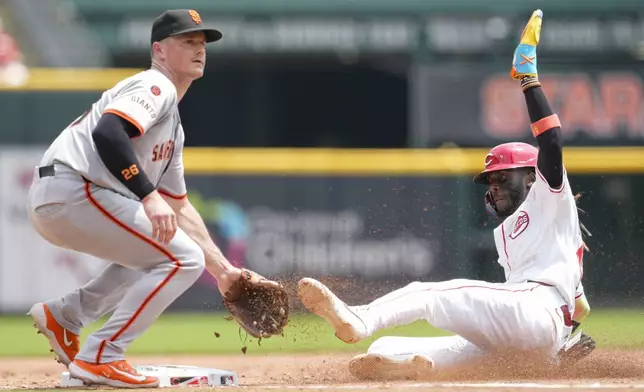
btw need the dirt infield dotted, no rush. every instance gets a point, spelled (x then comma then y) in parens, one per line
(608, 369)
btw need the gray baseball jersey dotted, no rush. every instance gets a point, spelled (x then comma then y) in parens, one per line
(149, 101)
(104, 219)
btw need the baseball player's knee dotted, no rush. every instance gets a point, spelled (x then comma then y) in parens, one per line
(200, 264)
(415, 285)
(382, 345)
(193, 260)
(46, 230)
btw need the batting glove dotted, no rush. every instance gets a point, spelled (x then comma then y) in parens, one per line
(524, 62)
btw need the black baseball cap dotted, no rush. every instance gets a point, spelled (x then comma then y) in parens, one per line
(174, 22)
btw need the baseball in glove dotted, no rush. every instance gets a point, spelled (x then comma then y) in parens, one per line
(259, 305)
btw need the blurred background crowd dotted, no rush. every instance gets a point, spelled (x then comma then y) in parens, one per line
(412, 75)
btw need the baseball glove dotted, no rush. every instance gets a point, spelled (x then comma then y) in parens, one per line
(259, 305)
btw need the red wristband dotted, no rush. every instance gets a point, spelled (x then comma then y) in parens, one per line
(545, 124)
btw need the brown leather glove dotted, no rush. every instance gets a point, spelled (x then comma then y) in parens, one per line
(259, 305)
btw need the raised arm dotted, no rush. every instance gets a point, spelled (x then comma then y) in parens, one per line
(547, 130)
(544, 124)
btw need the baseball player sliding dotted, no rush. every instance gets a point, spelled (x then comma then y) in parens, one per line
(540, 248)
(112, 185)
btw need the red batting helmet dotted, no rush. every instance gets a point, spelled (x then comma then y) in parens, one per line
(508, 156)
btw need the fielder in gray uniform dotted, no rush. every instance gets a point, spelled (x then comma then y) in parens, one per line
(112, 186)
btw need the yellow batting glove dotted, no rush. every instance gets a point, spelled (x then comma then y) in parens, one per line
(524, 62)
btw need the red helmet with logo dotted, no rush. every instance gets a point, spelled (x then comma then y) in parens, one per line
(508, 156)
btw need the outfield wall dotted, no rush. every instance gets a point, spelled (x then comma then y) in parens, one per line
(429, 105)
(381, 218)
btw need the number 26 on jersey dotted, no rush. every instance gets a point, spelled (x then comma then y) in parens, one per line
(130, 172)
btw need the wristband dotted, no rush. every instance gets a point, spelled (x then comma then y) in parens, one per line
(529, 82)
(545, 124)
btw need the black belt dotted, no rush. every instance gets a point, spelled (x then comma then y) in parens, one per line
(46, 171)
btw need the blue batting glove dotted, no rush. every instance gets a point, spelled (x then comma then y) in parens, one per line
(524, 62)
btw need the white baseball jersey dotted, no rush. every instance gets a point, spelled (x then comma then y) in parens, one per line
(542, 240)
(149, 101)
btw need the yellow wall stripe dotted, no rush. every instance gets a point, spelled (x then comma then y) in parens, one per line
(448, 161)
(72, 79)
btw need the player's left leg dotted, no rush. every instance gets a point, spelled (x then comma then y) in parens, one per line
(494, 316)
(96, 298)
(397, 357)
(444, 351)
(61, 319)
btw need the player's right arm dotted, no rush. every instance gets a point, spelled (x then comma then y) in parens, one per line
(130, 114)
(111, 137)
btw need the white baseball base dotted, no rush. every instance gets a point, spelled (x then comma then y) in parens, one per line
(174, 376)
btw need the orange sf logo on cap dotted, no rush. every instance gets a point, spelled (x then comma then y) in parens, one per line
(195, 16)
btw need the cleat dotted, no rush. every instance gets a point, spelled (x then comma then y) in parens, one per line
(373, 366)
(317, 298)
(118, 374)
(576, 348)
(62, 342)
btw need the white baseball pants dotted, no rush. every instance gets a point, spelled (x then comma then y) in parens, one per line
(486, 317)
